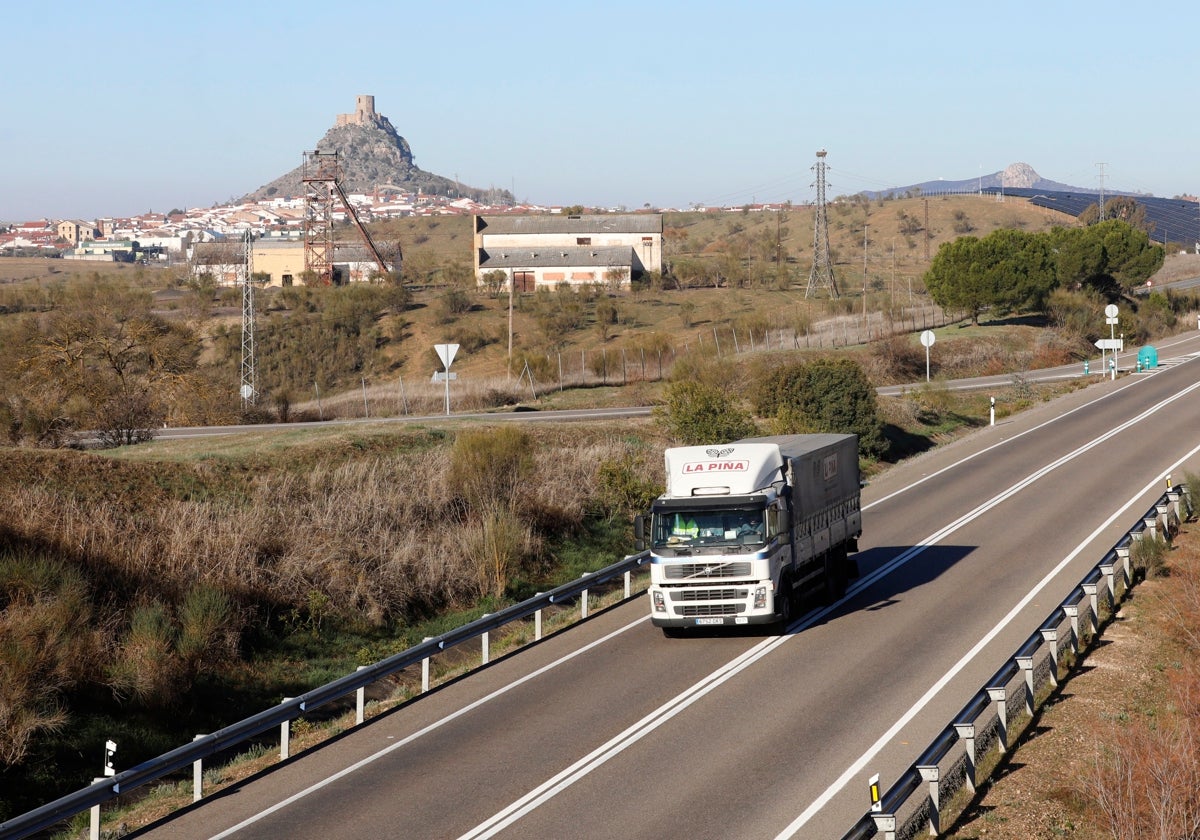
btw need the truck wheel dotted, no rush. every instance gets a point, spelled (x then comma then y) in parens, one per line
(784, 602)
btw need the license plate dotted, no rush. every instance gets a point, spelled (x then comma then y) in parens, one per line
(714, 620)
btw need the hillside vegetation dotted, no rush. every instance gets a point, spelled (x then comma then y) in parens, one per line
(149, 590)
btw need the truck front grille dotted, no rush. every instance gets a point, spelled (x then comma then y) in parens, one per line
(679, 595)
(690, 571)
(696, 610)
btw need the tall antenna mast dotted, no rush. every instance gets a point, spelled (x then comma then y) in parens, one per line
(249, 390)
(1102, 165)
(821, 276)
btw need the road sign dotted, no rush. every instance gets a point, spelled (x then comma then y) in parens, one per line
(446, 353)
(928, 338)
(1111, 311)
(442, 376)
(1117, 344)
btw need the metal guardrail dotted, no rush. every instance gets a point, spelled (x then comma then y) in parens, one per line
(913, 806)
(205, 746)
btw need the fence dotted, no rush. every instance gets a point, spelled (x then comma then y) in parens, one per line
(205, 746)
(943, 780)
(537, 372)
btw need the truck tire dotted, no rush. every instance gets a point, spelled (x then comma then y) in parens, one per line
(784, 605)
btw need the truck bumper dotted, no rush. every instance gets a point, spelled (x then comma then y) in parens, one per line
(705, 606)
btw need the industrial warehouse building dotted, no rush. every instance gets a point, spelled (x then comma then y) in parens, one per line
(549, 250)
(276, 262)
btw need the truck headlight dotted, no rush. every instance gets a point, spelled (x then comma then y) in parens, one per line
(656, 598)
(760, 598)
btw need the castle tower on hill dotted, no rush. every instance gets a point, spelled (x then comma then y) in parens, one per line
(364, 112)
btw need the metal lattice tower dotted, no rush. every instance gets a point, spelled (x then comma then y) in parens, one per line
(320, 178)
(821, 276)
(249, 390)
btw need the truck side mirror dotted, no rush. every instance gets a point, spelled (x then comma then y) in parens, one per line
(639, 532)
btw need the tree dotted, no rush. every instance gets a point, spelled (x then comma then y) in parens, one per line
(1111, 256)
(1010, 269)
(828, 395)
(955, 278)
(696, 413)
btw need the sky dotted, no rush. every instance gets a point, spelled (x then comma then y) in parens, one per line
(121, 108)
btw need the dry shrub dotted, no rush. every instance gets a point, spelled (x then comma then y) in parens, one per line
(896, 359)
(498, 546)
(487, 467)
(46, 646)
(146, 666)
(1144, 780)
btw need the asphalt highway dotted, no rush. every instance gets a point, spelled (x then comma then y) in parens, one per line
(611, 730)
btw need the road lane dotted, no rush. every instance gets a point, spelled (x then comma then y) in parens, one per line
(748, 757)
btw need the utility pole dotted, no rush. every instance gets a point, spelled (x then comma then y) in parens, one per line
(864, 271)
(821, 276)
(249, 390)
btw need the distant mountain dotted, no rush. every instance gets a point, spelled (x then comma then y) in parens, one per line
(374, 158)
(1016, 176)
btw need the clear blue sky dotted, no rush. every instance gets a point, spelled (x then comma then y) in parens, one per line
(124, 107)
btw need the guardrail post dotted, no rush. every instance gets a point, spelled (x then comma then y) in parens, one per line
(537, 623)
(1175, 498)
(999, 696)
(1050, 637)
(197, 776)
(1025, 663)
(931, 774)
(1151, 525)
(425, 671)
(1106, 569)
(1123, 556)
(966, 733)
(94, 825)
(1164, 512)
(1089, 589)
(583, 600)
(360, 701)
(885, 824)
(1072, 611)
(486, 646)
(628, 583)
(285, 735)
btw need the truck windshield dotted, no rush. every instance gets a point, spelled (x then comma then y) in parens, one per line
(679, 529)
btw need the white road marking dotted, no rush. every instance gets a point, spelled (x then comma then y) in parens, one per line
(431, 727)
(859, 764)
(614, 746)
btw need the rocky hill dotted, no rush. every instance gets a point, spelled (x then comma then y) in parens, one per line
(374, 158)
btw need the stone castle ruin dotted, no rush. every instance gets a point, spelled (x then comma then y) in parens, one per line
(364, 113)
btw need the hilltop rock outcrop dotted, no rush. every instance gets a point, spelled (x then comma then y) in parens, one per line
(374, 157)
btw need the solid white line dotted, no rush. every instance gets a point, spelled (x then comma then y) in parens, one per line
(430, 728)
(857, 767)
(614, 746)
(1004, 442)
(683, 700)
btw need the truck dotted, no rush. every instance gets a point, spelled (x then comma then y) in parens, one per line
(747, 531)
